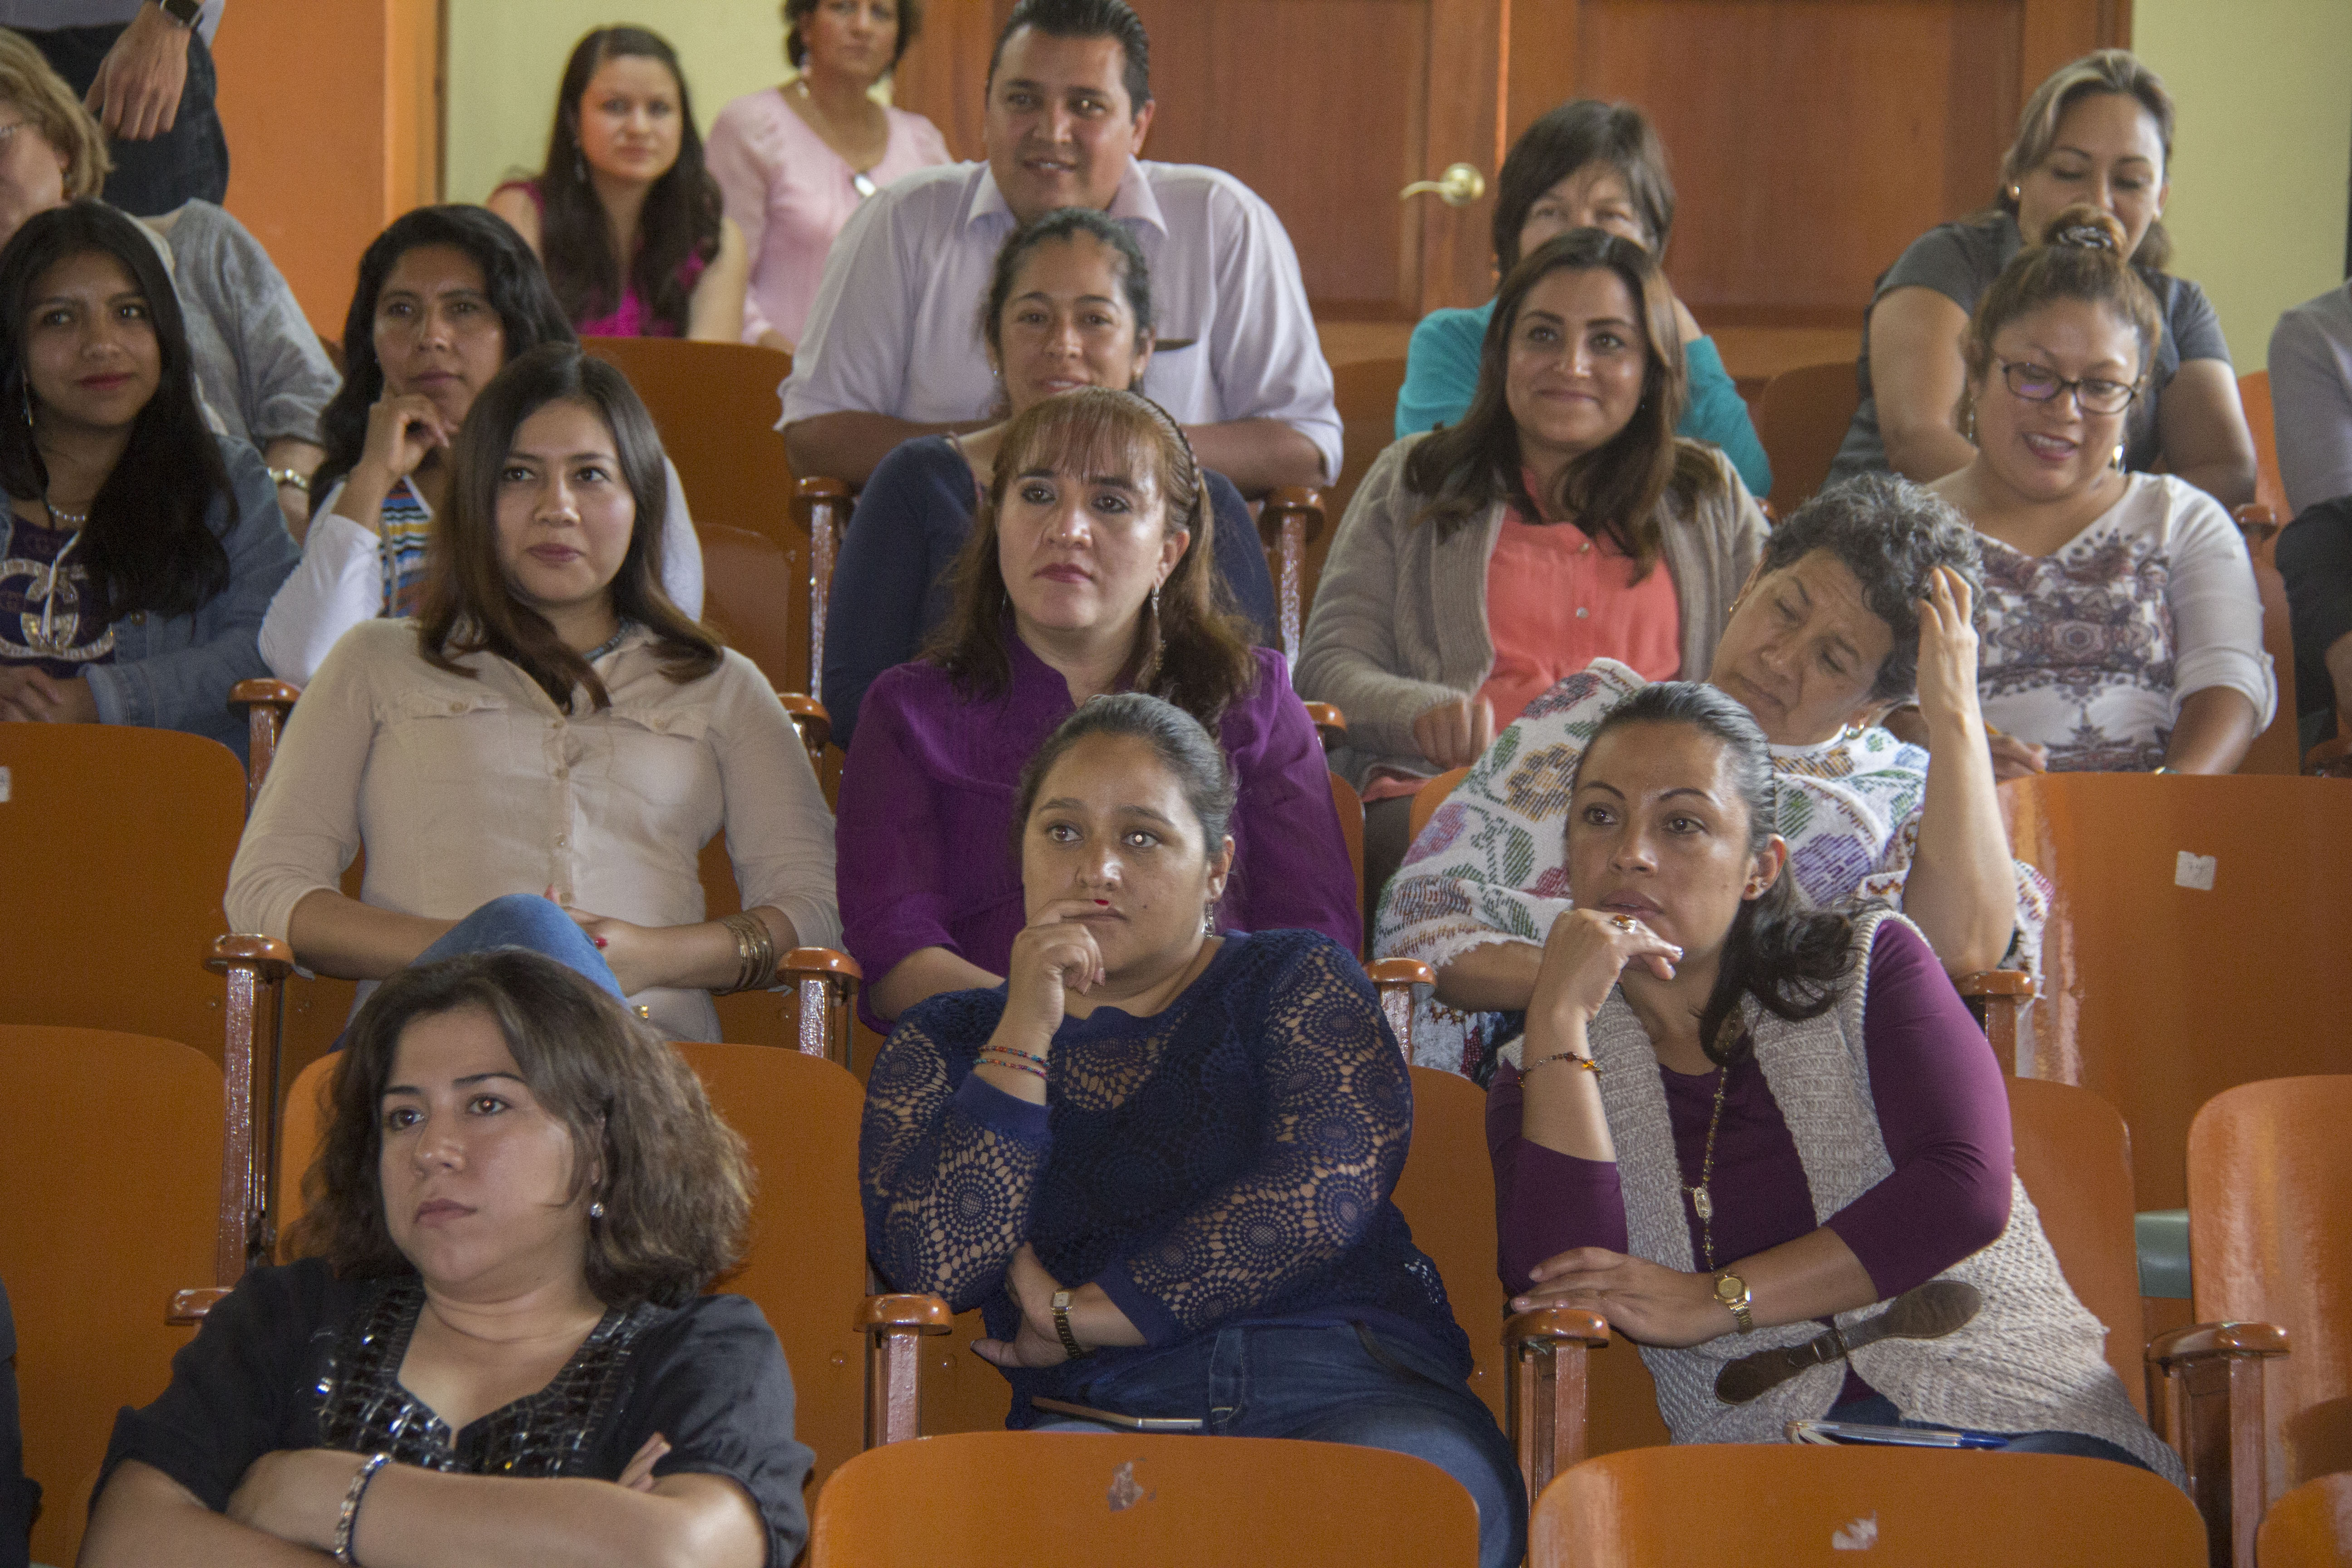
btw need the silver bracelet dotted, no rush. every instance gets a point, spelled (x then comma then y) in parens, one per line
(351, 1514)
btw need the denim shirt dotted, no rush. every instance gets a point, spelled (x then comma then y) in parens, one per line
(175, 672)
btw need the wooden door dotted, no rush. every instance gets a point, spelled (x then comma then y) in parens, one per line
(1328, 108)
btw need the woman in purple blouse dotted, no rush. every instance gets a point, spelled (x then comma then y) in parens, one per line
(1090, 569)
(1735, 1122)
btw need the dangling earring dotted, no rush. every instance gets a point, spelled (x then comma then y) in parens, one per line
(1155, 606)
(1969, 414)
(1209, 919)
(2119, 456)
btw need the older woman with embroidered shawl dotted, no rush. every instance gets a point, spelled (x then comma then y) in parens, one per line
(1863, 598)
(1730, 1117)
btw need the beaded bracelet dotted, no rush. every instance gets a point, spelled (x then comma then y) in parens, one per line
(350, 1516)
(1016, 1066)
(1587, 1063)
(1016, 1051)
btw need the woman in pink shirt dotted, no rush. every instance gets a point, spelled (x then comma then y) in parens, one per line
(1561, 520)
(795, 162)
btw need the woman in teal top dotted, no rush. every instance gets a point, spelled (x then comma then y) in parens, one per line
(1586, 164)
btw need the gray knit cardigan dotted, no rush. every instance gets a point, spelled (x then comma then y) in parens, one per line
(2032, 1360)
(1400, 616)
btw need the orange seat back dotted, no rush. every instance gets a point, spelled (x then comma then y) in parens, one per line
(2160, 993)
(2270, 1238)
(716, 406)
(2270, 490)
(2073, 1155)
(116, 845)
(755, 595)
(1447, 1194)
(108, 1188)
(1906, 1508)
(806, 1263)
(1802, 419)
(1014, 1500)
(2311, 1527)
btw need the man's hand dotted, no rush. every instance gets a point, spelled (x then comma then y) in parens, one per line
(136, 95)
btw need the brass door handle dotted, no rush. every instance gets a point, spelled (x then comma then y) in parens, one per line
(1459, 186)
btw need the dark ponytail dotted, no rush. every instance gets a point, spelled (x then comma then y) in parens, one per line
(1795, 961)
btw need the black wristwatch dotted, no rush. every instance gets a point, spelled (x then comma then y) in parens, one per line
(183, 12)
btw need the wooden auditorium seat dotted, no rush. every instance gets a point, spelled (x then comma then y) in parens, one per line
(107, 1184)
(2201, 1387)
(2311, 1527)
(116, 843)
(2270, 1236)
(1802, 419)
(716, 406)
(1906, 1508)
(1012, 1500)
(2160, 992)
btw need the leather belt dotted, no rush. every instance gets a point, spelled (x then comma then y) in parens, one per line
(1927, 1312)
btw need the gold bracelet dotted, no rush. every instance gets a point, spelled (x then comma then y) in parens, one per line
(291, 478)
(1587, 1063)
(755, 955)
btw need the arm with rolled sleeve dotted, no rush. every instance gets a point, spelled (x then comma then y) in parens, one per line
(2217, 610)
(337, 584)
(779, 834)
(188, 689)
(304, 828)
(1331, 1144)
(1264, 357)
(1296, 874)
(853, 355)
(1348, 656)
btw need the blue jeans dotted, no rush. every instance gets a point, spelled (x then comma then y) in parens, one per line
(528, 921)
(1878, 1410)
(1331, 1385)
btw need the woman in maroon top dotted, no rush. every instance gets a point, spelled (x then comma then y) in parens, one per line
(1091, 568)
(1732, 1116)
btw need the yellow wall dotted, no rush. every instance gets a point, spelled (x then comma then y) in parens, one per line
(506, 56)
(2262, 153)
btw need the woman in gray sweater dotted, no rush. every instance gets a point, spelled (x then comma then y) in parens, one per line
(1560, 522)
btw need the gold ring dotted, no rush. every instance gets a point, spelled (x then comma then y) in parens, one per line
(1623, 922)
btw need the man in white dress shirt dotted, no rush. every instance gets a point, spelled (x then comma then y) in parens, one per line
(893, 348)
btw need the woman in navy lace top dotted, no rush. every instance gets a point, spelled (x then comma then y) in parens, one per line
(1161, 1160)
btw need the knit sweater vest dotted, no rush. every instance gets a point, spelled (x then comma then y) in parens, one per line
(2030, 1361)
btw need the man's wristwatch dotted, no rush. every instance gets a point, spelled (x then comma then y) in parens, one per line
(1732, 1292)
(183, 12)
(1062, 1326)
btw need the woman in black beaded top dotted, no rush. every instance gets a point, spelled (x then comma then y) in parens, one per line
(494, 1347)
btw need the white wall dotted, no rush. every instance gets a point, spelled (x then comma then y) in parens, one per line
(506, 58)
(2262, 153)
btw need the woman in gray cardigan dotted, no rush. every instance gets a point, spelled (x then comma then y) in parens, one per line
(1560, 522)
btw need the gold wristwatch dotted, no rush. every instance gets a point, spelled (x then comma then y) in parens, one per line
(1733, 1292)
(1062, 1326)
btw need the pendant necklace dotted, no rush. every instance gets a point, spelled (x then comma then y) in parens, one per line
(1702, 1201)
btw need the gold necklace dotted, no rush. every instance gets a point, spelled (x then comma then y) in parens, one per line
(1702, 1201)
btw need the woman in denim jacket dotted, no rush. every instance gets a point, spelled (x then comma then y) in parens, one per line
(139, 551)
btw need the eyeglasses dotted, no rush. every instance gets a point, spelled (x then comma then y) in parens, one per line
(2092, 394)
(10, 130)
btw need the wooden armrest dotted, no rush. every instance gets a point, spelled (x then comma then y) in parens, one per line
(190, 1306)
(278, 693)
(2257, 522)
(267, 959)
(2205, 1340)
(1995, 996)
(1546, 1394)
(809, 718)
(826, 982)
(1301, 502)
(821, 505)
(2330, 758)
(1330, 723)
(1286, 524)
(1555, 1325)
(1395, 979)
(895, 1327)
(254, 967)
(2205, 1398)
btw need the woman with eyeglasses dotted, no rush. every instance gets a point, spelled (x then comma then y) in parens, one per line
(2124, 632)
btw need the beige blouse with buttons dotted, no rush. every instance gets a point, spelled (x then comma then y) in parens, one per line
(463, 789)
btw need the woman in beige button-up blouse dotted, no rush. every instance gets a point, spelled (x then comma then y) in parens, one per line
(552, 727)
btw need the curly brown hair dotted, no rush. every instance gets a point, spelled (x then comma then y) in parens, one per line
(676, 1183)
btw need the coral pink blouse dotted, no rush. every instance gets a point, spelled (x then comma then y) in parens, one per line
(1558, 598)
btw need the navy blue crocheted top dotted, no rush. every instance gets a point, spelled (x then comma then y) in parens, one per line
(1227, 1160)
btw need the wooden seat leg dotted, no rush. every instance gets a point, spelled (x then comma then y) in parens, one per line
(1544, 1404)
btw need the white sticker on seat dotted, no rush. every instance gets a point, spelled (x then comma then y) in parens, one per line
(2194, 871)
